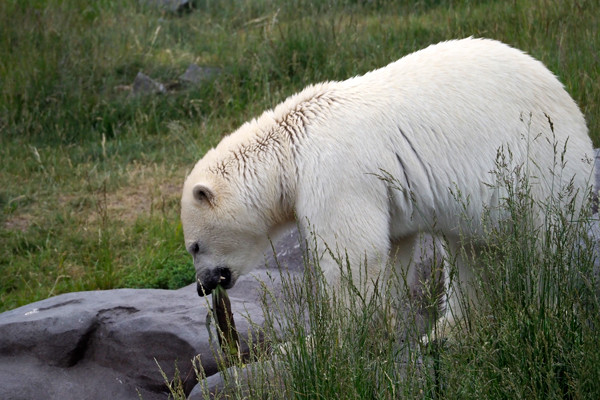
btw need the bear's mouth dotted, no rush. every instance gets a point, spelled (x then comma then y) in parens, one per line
(209, 280)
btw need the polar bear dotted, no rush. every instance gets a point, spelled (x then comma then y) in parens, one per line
(433, 120)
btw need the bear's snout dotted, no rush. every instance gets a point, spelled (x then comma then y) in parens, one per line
(213, 277)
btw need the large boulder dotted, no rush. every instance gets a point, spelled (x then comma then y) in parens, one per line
(109, 344)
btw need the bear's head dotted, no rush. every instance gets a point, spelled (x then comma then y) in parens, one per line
(225, 230)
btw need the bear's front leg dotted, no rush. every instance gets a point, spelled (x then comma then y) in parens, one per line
(347, 236)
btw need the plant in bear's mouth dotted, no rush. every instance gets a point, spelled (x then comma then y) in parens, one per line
(221, 310)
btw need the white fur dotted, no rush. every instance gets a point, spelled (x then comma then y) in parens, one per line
(434, 120)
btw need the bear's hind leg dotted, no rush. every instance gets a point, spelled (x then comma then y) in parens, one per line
(458, 296)
(418, 274)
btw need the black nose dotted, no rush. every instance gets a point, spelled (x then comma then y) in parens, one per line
(211, 278)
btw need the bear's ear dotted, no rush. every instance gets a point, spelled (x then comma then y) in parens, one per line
(203, 193)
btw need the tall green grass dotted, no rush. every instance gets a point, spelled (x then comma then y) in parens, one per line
(78, 150)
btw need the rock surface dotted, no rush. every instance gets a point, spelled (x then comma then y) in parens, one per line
(143, 84)
(107, 344)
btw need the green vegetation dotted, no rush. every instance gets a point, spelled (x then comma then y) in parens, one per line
(90, 174)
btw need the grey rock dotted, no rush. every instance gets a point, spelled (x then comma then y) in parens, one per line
(100, 343)
(109, 344)
(195, 74)
(143, 84)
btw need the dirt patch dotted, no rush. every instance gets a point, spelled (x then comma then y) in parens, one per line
(146, 190)
(18, 222)
(149, 190)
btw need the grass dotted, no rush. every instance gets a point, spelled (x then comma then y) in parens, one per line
(90, 174)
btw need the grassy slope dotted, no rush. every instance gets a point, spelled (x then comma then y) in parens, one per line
(90, 176)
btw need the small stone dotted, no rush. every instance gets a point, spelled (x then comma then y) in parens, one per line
(143, 84)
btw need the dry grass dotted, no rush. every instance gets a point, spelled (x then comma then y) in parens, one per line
(145, 190)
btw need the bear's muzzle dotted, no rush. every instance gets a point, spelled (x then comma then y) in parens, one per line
(213, 277)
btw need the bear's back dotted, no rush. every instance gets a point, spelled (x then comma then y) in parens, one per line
(436, 119)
